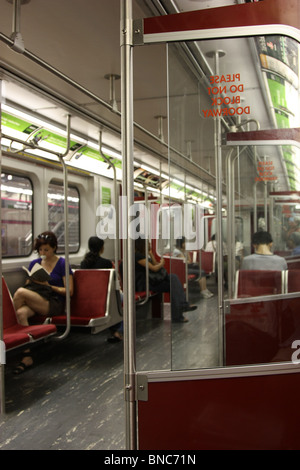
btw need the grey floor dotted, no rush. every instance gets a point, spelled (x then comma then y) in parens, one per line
(72, 399)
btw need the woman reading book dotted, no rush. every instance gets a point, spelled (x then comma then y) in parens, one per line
(43, 297)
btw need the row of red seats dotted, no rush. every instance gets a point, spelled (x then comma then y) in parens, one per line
(94, 305)
(254, 283)
(262, 330)
(177, 265)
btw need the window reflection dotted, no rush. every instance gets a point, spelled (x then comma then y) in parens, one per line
(16, 199)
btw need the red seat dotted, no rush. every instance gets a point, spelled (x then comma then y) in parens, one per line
(255, 283)
(293, 262)
(176, 266)
(293, 280)
(93, 303)
(14, 338)
(207, 261)
(15, 335)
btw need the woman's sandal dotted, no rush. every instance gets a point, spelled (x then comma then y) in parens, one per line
(22, 367)
(116, 338)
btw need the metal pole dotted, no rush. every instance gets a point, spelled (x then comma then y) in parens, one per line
(128, 258)
(116, 241)
(230, 219)
(218, 164)
(2, 347)
(66, 222)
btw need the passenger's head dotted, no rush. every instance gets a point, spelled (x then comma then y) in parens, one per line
(262, 238)
(295, 237)
(45, 238)
(95, 244)
(180, 243)
(293, 222)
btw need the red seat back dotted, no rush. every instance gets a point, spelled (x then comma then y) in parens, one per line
(258, 282)
(293, 263)
(293, 280)
(90, 292)
(9, 314)
(176, 266)
(207, 261)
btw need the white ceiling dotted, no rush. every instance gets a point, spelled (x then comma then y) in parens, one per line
(81, 39)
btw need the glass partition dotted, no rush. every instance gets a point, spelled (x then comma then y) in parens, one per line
(235, 86)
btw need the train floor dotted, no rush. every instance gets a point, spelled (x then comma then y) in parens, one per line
(73, 399)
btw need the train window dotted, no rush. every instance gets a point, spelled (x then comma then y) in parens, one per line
(56, 216)
(16, 198)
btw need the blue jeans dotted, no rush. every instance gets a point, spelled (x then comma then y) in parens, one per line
(179, 303)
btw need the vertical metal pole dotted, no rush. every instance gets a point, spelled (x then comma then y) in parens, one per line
(254, 208)
(16, 16)
(218, 164)
(127, 191)
(116, 241)
(66, 223)
(2, 347)
(230, 218)
(266, 200)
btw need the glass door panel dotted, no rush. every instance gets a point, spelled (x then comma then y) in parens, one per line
(196, 335)
(242, 86)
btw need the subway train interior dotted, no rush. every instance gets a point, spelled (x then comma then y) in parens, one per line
(160, 120)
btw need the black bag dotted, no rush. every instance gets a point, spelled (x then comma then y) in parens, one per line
(156, 277)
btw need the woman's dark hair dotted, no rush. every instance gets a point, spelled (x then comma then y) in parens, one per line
(95, 245)
(45, 238)
(180, 242)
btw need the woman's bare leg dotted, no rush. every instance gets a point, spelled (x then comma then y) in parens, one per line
(27, 304)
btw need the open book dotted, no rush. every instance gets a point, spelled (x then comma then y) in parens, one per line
(38, 273)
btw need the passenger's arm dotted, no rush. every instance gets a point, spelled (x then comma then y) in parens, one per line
(153, 265)
(62, 290)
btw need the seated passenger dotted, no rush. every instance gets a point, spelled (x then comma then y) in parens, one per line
(193, 268)
(294, 243)
(263, 258)
(44, 298)
(94, 260)
(165, 283)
